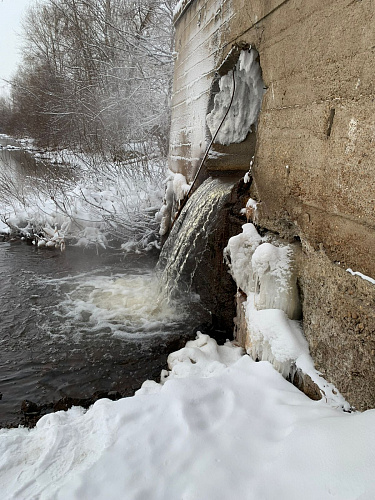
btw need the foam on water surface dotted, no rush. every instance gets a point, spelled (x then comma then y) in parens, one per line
(78, 325)
(124, 305)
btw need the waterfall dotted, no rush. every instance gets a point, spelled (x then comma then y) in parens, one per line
(191, 262)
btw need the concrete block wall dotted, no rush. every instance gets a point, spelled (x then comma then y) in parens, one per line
(201, 33)
(314, 169)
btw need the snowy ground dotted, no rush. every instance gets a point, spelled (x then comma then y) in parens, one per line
(221, 426)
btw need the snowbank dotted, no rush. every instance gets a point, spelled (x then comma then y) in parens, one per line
(201, 357)
(243, 432)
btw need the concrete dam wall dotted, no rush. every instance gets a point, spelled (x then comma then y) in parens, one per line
(312, 151)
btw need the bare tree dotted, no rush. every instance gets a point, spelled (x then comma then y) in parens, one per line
(97, 74)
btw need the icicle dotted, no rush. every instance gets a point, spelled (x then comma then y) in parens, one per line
(275, 279)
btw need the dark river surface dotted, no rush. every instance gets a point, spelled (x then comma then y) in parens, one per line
(75, 323)
(28, 170)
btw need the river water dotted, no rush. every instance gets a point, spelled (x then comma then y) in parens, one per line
(75, 323)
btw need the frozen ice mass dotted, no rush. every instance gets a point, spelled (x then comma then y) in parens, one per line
(247, 101)
(265, 273)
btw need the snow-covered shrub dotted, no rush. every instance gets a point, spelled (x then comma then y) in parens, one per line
(99, 203)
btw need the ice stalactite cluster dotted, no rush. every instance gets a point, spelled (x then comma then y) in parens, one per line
(247, 101)
(266, 273)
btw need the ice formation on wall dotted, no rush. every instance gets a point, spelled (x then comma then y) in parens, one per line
(363, 276)
(275, 279)
(251, 209)
(243, 114)
(180, 8)
(238, 255)
(266, 273)
(176, 190)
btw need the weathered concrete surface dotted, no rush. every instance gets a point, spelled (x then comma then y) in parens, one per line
(339, 324)
(232, 157)
(314, 169)
(200, 35)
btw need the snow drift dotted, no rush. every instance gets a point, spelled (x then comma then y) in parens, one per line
(220, 426)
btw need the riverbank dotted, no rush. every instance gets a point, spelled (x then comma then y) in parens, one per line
(54, 197)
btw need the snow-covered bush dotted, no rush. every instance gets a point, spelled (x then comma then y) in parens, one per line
(96, 204)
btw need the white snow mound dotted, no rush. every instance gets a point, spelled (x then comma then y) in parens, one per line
(242, 433)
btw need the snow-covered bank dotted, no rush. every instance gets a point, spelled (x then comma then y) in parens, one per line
(221, 426)
(92, 203)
